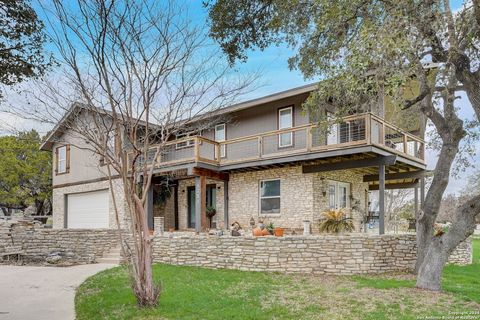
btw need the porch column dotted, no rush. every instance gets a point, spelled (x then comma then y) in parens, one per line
(381, 198)
(149, 207)
(225, 205)
(200, 203)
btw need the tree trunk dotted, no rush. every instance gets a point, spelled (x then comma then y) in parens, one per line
(425, 223)
(145, 290)
(440, 247)
(430, 272)
(431, 206)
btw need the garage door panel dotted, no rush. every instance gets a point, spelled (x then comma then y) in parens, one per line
(88, 210)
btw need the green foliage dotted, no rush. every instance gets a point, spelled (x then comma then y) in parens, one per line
(336, 221)
(270, 227)
(21, 42)
(25, 171)
(210, 211)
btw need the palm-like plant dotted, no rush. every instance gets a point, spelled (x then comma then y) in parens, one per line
(336, 221)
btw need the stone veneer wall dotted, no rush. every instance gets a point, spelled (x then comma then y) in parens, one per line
(462, 254)
(358, 195)
(296, 197)
(326, 254)
(166, 210)
(79, 245)
(301, 199)
(59, 199)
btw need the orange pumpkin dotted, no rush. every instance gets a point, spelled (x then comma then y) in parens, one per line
(265, 232)
(257, 232)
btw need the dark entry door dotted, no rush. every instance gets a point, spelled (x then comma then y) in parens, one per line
(210, 201)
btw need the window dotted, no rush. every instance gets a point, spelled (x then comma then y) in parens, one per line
(63, 159)
(269, 196)
(185, 143)
(220, 136)
(285, 121)
(338, 195)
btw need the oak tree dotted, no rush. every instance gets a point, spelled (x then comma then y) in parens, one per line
(362, 49)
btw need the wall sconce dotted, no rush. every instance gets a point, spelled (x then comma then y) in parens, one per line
(218, 188)
(183, 190)
(324, 193)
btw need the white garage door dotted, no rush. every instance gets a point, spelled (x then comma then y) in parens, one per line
(87, 210)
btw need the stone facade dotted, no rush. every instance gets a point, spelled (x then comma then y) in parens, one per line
(296, 197)
(358, 196)
(325, 254)
(303, 196)
(60, 195)
(166, 210)
(79, 245)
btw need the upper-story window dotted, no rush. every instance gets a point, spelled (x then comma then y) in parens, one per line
(220, 135)
(63, 159)
(184, 143)
(270, 196)
(285, 121)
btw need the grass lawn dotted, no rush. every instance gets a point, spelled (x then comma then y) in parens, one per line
(196, 293)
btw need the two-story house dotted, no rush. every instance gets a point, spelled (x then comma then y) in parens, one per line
(266, 162)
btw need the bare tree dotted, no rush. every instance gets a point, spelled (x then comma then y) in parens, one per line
(138, 73)
(395, 202)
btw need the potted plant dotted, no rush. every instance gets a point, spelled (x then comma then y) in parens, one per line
(336, 221)
(278, 232)
(270, 228)
(211, 212)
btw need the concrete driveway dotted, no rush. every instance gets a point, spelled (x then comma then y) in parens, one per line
(42, 292)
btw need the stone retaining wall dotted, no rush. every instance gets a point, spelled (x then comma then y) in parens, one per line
(325, 254)
(462, 255)
(77, 245)
(316, 254)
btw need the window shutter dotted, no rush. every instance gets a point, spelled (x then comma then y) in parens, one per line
(56, 160)
(67, 165)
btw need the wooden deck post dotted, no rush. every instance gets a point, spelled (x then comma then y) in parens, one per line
(200, 203)
(381, 196)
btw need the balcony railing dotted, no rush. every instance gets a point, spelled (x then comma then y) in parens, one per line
(352, 131)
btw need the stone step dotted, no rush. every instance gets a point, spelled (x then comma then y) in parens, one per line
(109, 260)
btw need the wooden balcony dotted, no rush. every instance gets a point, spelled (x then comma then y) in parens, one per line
(353, 131)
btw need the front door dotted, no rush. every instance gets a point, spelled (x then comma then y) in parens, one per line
(338, 195)
(211, 202)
